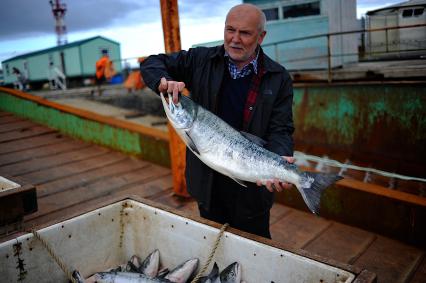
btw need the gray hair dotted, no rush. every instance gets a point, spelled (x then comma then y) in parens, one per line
(261, 14)
(262, 21)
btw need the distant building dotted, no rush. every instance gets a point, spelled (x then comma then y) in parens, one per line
(76, 60)
(397, 42)
(296, 19)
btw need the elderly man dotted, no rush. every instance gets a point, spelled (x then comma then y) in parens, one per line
(248, 90)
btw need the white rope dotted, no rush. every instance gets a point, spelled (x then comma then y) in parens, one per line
(57, 259)
(334, 163)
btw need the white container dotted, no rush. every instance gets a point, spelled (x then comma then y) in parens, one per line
(108, 236)
(6, 185)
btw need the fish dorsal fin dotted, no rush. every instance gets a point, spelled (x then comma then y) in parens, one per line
(212, 277)
(259, 141)
(215, 271)
(191, 144)
(163, 273)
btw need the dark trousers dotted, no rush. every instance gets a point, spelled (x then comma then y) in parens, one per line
(246, 209)
(99, 82)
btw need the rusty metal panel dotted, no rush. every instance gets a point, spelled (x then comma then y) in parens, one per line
(378, 125)
(170, 20)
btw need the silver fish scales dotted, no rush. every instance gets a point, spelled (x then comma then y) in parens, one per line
(237, 155)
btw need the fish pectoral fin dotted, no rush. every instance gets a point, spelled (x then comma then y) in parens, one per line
(259, 141)
(241, 182)
(191, 144)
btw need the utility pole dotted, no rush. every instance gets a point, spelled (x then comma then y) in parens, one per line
(58, 10)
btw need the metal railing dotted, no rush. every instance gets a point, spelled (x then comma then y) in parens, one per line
(362, 46)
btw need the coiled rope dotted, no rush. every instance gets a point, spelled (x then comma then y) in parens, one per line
(209, 259)
(54, 256)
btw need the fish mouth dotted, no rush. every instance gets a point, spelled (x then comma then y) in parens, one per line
(167, 106)
(177, 115)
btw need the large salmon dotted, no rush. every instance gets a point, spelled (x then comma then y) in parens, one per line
(239, 155)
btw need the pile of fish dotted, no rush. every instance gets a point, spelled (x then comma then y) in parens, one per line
(149, 271)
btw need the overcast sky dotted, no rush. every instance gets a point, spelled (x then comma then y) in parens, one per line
(28, 25)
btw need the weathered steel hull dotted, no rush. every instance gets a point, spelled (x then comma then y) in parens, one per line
(377, 125)
(381, 126)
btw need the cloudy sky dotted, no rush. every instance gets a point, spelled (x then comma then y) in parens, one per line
(28, 25)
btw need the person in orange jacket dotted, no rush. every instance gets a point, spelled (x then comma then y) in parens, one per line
(104, 70)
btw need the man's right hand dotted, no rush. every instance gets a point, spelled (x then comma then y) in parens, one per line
(275, 184)
(171, 87)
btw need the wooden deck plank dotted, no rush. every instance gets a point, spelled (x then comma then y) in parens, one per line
(420, 274)
(168, 198)
(9, 119)
(151, 189)
(51, 161)
(18, 125)
(42, 151)
(102, 187)
(31, 142)
(29, 132)
(191, 207)
(392, 261)
(69, 169)
(279, 211)
(341, 242)
(86, 172)
(4, 114)
(298, 228)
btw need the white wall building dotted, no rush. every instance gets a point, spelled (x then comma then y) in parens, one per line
(397, 42)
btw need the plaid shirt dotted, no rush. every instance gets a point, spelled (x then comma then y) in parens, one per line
(245, 71)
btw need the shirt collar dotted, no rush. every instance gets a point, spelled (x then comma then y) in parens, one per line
(244, 70)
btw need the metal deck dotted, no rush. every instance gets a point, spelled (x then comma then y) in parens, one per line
(70, 175)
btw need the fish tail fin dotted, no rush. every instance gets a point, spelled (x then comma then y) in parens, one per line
(312, 186)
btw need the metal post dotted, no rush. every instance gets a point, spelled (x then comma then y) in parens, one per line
(387, 47)
(277, 54)
(329, 57)
(170, 20)
(171, 31)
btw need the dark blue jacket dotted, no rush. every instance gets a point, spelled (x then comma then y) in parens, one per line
(202, 71)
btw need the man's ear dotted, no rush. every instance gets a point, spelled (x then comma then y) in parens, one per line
(261, 37)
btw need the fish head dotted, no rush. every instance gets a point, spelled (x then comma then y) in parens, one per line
(133, 264)
(150, 265)
(182, 114)
(183, 272)
(231, 274)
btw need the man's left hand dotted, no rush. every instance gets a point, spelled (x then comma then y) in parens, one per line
(275, 184)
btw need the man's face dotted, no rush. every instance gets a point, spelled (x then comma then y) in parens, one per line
(242, 35)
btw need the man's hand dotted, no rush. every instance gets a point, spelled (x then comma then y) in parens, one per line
(275, 184)
(171, 87)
